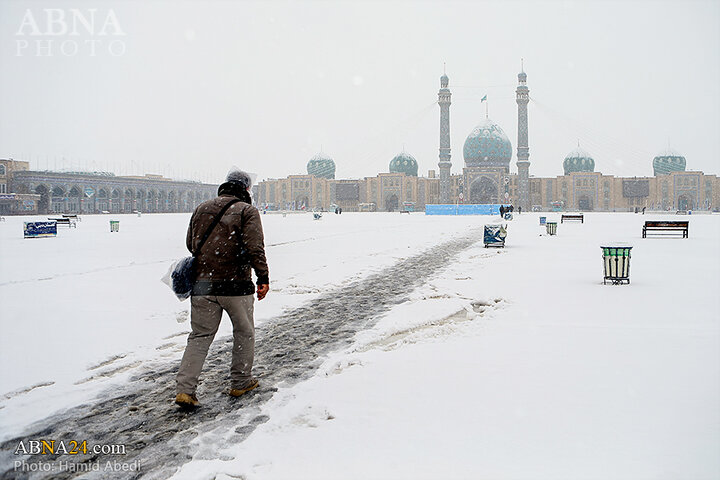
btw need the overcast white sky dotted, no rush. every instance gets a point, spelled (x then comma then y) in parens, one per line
(193, 88)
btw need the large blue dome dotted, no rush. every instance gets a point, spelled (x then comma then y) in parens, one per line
(321, 166)
(404, 163)
(487, 146)
(578, 161)
(668, 161)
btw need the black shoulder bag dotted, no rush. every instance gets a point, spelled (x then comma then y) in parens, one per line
(183, 275)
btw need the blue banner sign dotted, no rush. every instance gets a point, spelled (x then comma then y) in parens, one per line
(40, 229)
(490, 209)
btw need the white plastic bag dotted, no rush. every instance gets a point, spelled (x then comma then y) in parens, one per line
(167, 278)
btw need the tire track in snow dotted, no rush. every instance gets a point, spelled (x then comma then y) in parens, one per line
(289, 349)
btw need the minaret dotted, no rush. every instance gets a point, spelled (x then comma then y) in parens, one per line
(444, 164)
(523, 150)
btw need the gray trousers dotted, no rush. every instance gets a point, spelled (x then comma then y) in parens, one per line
(205, 315)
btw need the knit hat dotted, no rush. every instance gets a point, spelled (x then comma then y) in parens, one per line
(239, 177)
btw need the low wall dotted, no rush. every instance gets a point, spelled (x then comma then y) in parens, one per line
(491, 209)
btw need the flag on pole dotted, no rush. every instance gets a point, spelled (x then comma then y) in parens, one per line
(483, 99)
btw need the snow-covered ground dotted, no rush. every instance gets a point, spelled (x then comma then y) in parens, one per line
(515, 363)
(87, 308)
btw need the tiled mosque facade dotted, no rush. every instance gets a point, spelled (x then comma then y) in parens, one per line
(486, 178)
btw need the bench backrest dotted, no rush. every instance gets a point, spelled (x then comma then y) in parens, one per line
(666, 224)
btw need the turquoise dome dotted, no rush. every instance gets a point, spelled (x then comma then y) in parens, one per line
(404, 163)
(321, 166)
(578, 161)
(668, 161)
(487, 146)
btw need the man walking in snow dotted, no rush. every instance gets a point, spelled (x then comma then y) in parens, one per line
(223, 282)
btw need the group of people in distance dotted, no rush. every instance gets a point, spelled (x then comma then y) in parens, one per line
(508, 209)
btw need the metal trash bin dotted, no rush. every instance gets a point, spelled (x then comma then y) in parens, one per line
(114, 226)
(551, 228)
(543, 220)
(616, 263)
(494, 236)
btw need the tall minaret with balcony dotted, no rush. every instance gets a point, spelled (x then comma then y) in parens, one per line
(444, 164)
(523, 150)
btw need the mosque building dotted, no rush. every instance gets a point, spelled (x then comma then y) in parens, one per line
(486, 177)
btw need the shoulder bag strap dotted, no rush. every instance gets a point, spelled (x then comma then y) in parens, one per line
(214, 224)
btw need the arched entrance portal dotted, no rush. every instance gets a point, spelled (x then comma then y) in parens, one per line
(42, 190)
(302, 203)
(59, 200)
(391, 203)
(585, 203)
(74, 200)
(484, 191)
(685, 203)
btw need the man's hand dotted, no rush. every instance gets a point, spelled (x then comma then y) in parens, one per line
(262, 290)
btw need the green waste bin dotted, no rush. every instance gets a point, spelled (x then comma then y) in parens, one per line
(616, 264)
(114, 226)
(551, 228)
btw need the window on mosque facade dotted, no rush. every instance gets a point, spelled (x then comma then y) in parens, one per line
(2, 170)
(3, 188)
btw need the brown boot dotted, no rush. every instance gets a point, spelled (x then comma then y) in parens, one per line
(236, 392)
(187, 401)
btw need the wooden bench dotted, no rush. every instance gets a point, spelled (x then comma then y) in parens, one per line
(71, 216)
(405, 211)
(63, 221)
(673, 227)
(571, 217)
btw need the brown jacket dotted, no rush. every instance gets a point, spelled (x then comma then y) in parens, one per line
(223, 265)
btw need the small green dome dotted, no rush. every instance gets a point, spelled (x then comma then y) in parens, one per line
(578, 161)
(321, 166)
(404, 163)
(668, 161)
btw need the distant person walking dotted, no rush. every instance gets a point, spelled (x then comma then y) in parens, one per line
(223, 282)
